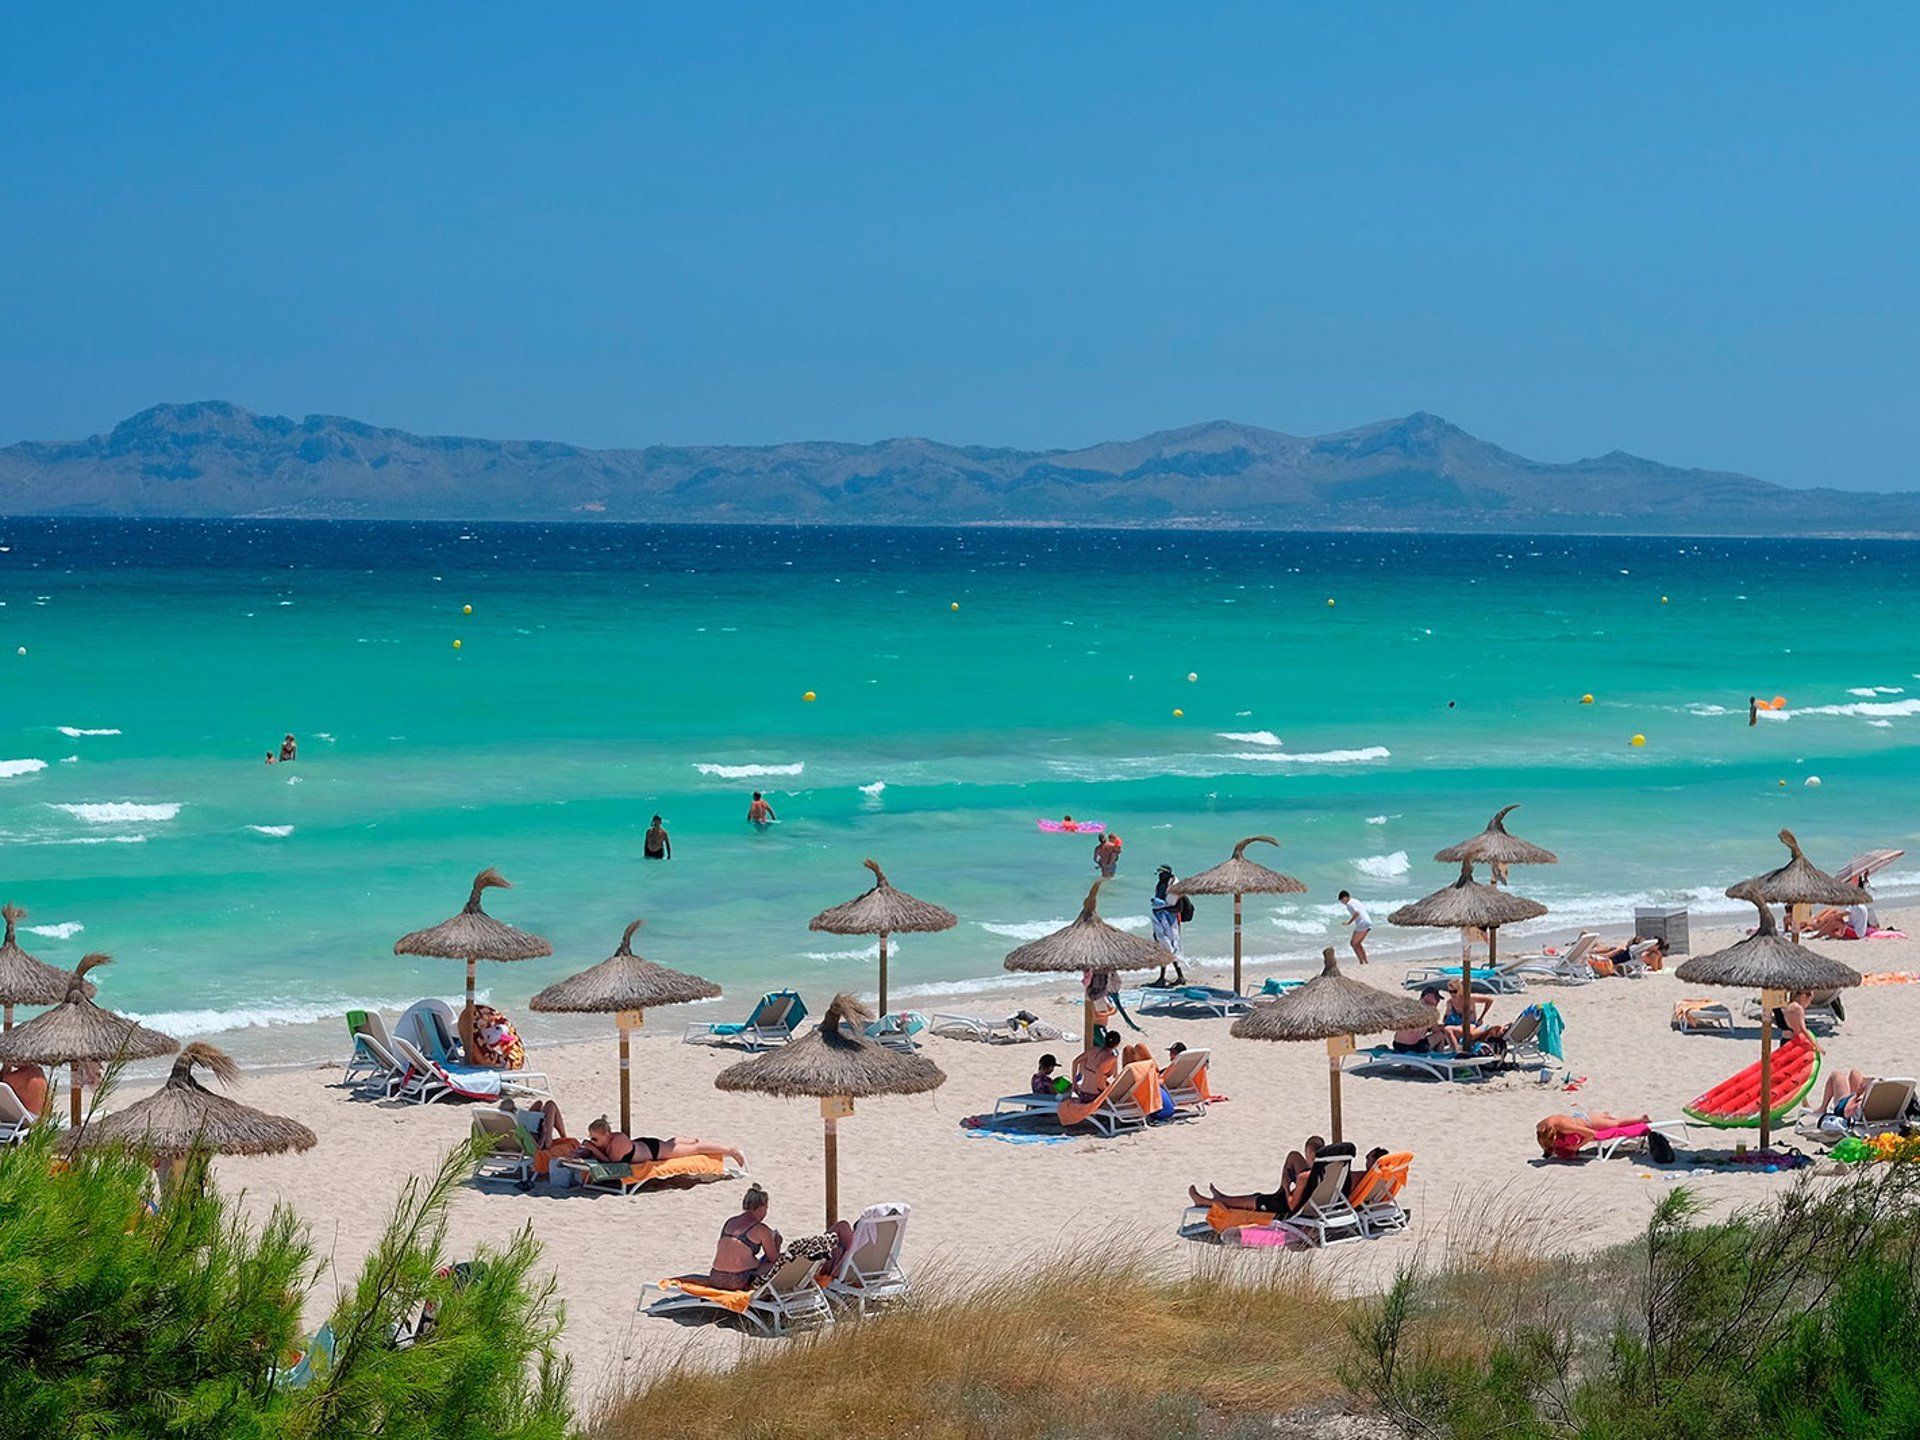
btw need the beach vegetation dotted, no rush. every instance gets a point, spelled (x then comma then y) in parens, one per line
(130, 1308)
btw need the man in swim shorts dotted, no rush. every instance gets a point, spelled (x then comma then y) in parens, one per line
(760, 813)
(657, 846)
(1361, 920)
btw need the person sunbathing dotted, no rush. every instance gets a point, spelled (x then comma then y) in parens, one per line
(29, 1085)
(1295, 1175)
(1792, 1018)
(1422, 1039)
(1095, 1069)
(543, 1122)
(1460, 1006)
(1363, 1178)
(610, 1146)
(748, 1248)
(1561, 1137)
(1845, 1090)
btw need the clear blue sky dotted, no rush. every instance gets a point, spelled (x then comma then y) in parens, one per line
(1569, 230)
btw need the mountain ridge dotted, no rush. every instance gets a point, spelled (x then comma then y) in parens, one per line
(214, 459)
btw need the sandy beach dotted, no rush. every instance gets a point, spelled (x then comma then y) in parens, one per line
(980, 1204)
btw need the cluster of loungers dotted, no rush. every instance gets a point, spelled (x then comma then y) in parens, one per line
(1119, 1108)
(801, 1292)
(1337, 1210)
(413, 1062)
(1522, 1048)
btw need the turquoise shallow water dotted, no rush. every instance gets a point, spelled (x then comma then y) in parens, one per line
(608, 672)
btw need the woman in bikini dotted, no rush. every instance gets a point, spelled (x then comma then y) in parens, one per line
(749, 1248)
(609, 1145)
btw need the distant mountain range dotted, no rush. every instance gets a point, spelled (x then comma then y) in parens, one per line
(216, 460)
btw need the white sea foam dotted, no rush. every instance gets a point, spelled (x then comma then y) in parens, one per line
(66, 930)
(11, 768)
(1320, 757)
(187, 1024)
(1296, 927)
(119, 812)
(277, 831)
(99, 840)
(1384, 867)
(1250, 737)
(871, 952)
(74, 732)
(1029, 930)
(1866, 692)
(1878, 709)
(1878, 725)
(747, 772)
(1380, 819)
(1700, 707)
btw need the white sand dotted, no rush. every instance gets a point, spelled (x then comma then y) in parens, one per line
(982, 1203)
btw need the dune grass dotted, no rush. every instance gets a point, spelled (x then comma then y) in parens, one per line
(1107, 1344)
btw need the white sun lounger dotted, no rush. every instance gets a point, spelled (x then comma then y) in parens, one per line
(770, 1025)
(1188, 1000)
(870, 1272)
(15, 1119)
(787, 1299)
(374, 1060)
(1326, 1217)
(993, 1032)
(1180, 1079)
(1435, 1064)
(1118, 1113)
(428, 1080)
(1882, 1109)
(511, 1152)
(1570, 967)
(1500, 981)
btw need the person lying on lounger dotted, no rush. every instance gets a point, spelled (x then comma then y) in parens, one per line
(1094, 1068)
(1424, 1039)
(1562, 1137)
(1856, 922)
(1845, 1090)
(1295, 1175)
(1361, 1178)
(606, 1144)
(1651, 953)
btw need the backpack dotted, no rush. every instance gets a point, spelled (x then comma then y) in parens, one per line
(1186, 910)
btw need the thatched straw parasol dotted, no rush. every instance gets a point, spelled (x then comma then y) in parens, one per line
(1494, 846)
(1798, 882)
(1237, 876)
(623, 985)
(1467, 904)
(883, 911)
(23, 979)
(1332, 1008)
(1774, 965)
(474, 935)
(183, 1117)
(78, 1030)
(1086, 943)
(839, 1064)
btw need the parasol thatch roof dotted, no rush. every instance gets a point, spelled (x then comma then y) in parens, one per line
(1767, 960)
(1329, 1005)
(1466, 903)
(78, 1029)
(835, 1058)
(1086, 943)
(623, 981)
(183, 1116)
(25, 980)
(473, 934)
(883, 910)
(1240, 876)
(1494, 846)
(1798, 882)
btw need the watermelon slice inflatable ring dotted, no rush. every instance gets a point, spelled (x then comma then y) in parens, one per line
(1734, 1104)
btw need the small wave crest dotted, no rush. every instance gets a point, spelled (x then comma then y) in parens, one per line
(66, 930)
(747, 772)
(10, 768)
(1384, 867)
(277, 831)
(1878, 709)
(1250, 737)
(119, 812)
(74, 732)
(1320, 757)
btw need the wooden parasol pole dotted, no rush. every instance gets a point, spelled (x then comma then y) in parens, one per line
(627, 1020)
(832, 1109)
(7, 1022)
(883, 975)
(73, 1100)
(1767, 1001)
(1236, 942)
(1337, 1046)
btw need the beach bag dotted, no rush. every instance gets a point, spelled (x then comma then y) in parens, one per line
(1185, 911)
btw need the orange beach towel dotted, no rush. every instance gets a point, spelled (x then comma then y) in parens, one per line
(735, 1300)
(1141, 1079)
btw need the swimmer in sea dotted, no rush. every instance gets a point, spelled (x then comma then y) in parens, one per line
(1753, 710)
(759, 812)
(288, 751)
(657, 846)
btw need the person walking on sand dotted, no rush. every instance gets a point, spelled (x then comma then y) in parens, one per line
(759, 813)
(1168, 912)
(657, 845)
(1362, 921)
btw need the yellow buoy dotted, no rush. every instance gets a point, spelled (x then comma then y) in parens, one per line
(466, 609)
(1179, 714)
(456, 644)
(1638, 741)
(1587, 699)
(1192, 675)
(1782, 782)
(954, 606)
(1329, 600)
(1663, 599)
(809, 697)
(21, 651)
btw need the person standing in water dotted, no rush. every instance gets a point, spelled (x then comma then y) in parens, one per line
(1106, 855)
(657, 845)
(289, 751)
(1168, 912)
(760, 813)
(1753, 710)
(1362, 921)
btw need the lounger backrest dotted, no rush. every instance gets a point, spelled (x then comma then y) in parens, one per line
(795, 1275)
(12, 1110)
(509, 1136)
(356, 1022)
(1329, 1183)
(1525, 1026)
(774, 1010)
(1383, 1180)
(1189, 1063)
(1578, 951)
(414, 1058)
(377, 1028)
(876, 1245)
(1886, 1100)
